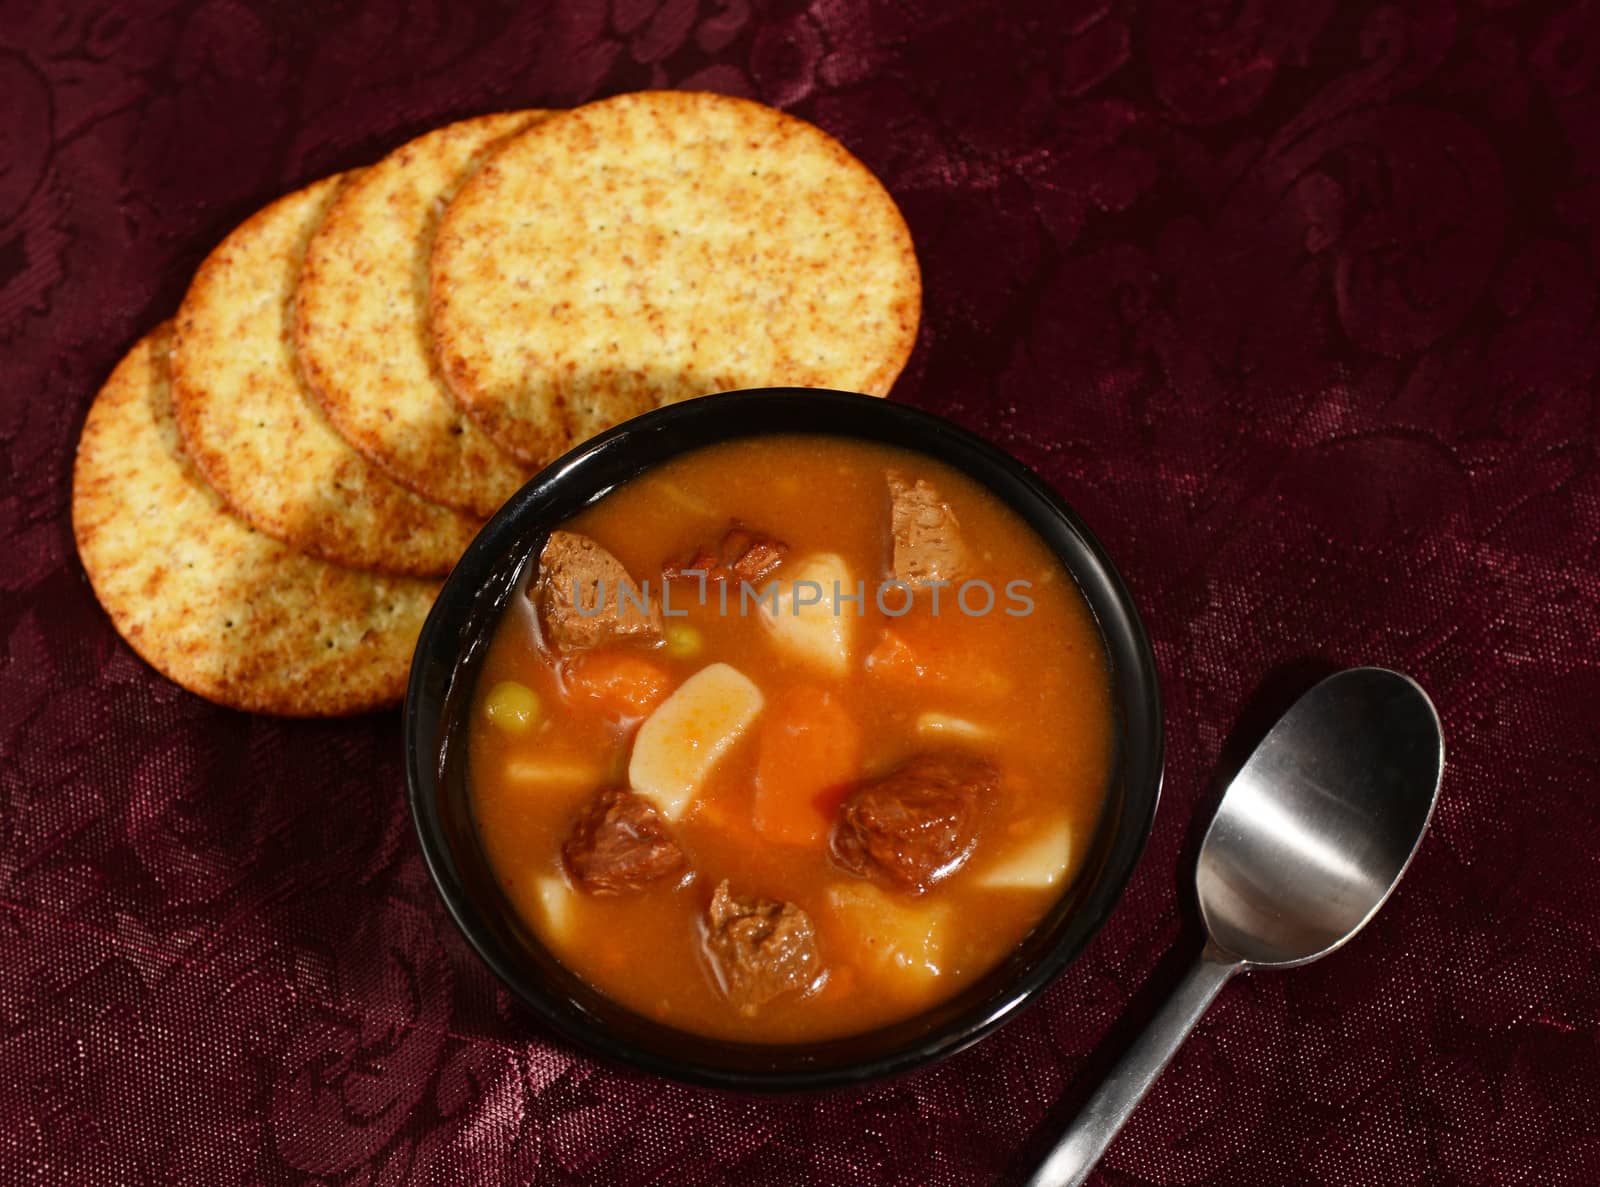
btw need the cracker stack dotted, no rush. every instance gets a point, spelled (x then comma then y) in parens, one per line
(223, 609)
(364, 370)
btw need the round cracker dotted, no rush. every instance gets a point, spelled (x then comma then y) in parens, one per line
(204, 598)
(662, 245)
(360, 324)
(259, 436)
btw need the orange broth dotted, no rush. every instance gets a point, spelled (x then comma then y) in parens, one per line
(1034, 686)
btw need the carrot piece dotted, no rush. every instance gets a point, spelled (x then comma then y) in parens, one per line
(909, 653)
(891, 656)
(625, 683)
(713, 811)
(925, 651)
(809, 745)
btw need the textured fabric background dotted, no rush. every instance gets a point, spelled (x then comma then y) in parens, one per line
(1296, 303)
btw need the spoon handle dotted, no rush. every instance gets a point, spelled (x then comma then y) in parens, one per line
(1093, 1129)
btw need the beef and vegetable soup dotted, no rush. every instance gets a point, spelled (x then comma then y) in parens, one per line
(789, 738)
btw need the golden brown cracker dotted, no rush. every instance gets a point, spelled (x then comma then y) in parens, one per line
(207, 600)
(361, 330)
(658, 246)
(254, 430)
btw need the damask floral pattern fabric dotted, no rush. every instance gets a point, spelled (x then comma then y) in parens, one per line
(1296, 302)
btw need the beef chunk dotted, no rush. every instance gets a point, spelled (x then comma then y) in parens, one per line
(916, 824)
(620, 844)
(741, 555)
(927, 539)
(761, 948)
(579, 593)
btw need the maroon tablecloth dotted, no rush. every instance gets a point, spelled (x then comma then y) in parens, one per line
(1297, 305)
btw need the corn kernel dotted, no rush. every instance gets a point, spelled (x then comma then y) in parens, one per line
(683, 641)
(511, 706)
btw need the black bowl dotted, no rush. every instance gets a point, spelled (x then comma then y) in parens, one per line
(449, 656)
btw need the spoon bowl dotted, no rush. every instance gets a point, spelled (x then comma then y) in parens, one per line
(1319, 824)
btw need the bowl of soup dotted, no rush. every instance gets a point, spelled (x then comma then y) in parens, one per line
(782, 739)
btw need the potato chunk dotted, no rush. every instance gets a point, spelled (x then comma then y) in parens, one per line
(1037, 863)
(556, 906)
(680, 743)
(552, 772)
(805, 624)
(947, 725)
(906, 939)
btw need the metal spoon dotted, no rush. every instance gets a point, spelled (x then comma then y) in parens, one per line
(1309, 840)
